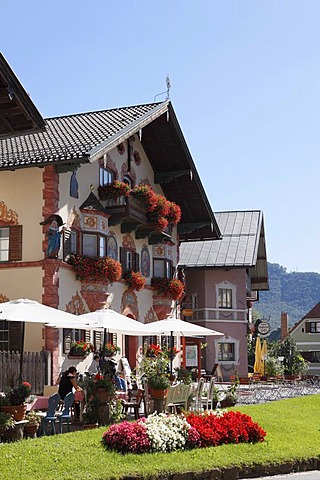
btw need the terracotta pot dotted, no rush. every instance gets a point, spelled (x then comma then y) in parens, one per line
(30, 429)
(158, 393)
(17, 411)
(102, 394)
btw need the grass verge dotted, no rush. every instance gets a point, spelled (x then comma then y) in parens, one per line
(293, 433)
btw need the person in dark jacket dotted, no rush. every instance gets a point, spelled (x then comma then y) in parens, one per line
(67, 382)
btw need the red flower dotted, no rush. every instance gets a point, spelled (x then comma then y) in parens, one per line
(135, 280)
(104, 268)
(173, 288)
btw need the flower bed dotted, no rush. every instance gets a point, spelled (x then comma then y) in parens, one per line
(166, 433)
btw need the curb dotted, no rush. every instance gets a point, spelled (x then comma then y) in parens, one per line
(235, 473)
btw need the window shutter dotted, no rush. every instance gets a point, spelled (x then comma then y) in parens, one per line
(136, 264)
(15, 330)
(98, 340)
(307, 325)
(123, 260)
(66, 243)
(15, 243)
(67, 338)
(87, 336)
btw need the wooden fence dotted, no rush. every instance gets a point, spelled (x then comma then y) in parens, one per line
(34, 369)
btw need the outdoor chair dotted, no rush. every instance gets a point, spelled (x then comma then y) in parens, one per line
(197, 398)
(134, 403)
(50, 415)
(177, 397)
(65, 416)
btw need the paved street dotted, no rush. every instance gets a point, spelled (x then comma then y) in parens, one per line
(314, 475)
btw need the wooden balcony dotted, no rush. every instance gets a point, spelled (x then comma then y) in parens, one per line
(130, 213)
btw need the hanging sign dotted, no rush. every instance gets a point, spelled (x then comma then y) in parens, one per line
(187, 312)
(263, 328)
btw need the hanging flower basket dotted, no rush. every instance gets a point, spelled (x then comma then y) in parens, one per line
(160, 211)
(115, 189)
(172, 288)
(99, 268)
(134, 280)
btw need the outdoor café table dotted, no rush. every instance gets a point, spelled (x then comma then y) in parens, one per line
(41, 403)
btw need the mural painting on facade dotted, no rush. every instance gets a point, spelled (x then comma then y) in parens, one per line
(121, 148)
(90, 222)
(145, 261)
(3, 298)
(76, 305)
(150, 316)
(112, 246)
(73, 220)
(125, 172)
(74, 186)
(128, 242)
(8, 216)
(136, 157)
(129, 304)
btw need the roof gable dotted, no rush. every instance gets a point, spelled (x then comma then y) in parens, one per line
(85, 137)
(242, 245)
(18, 114)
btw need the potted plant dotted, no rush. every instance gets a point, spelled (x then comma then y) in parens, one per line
(230, 398)
(91, 415)
(110, 349)
(115, 189)
(171, 288)
(155, 371)
(153, 350)
(13, 401)
(97, 268)
(6, 422)
(134, 280)
(34, 420)
(80, 348)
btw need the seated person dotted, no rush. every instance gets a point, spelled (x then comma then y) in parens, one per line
(67, 382)
(95, 365)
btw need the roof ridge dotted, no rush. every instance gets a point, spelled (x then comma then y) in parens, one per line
(103, 110)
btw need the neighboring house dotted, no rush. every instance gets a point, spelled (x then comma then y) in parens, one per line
(222, 279)
(18, 115)
(50, 185)
(306, 334)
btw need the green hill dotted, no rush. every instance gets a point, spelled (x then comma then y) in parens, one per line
(292, 292)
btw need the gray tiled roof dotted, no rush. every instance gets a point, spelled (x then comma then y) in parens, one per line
(73, 136)
(237, 248)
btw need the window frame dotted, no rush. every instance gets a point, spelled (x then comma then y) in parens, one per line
(167, 268)
(106, 172)
(98, 238)
(15, 243)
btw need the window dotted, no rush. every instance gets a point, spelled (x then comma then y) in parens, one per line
(94, 245)
(4, 336)
(194, 300)
(225, 298)
(129, 260)
(314, 327)
(162, 268)
(70, 242)
(4, 244)
(11, 243)
(74, 335)
(105, 176)
(312, 357)
(226, 352)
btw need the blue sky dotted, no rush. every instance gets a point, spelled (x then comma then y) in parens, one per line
(244, 85)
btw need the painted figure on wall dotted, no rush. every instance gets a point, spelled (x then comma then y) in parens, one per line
(112, 247)
(145, 261)
(74, 187)
(54, 240)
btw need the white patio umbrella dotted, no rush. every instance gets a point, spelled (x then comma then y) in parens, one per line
(25, 310)
(105, 319)
(176, 327)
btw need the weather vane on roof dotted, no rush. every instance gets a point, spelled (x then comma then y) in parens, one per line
(168, 84)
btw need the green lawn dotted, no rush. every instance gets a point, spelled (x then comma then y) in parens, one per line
(293, 432)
